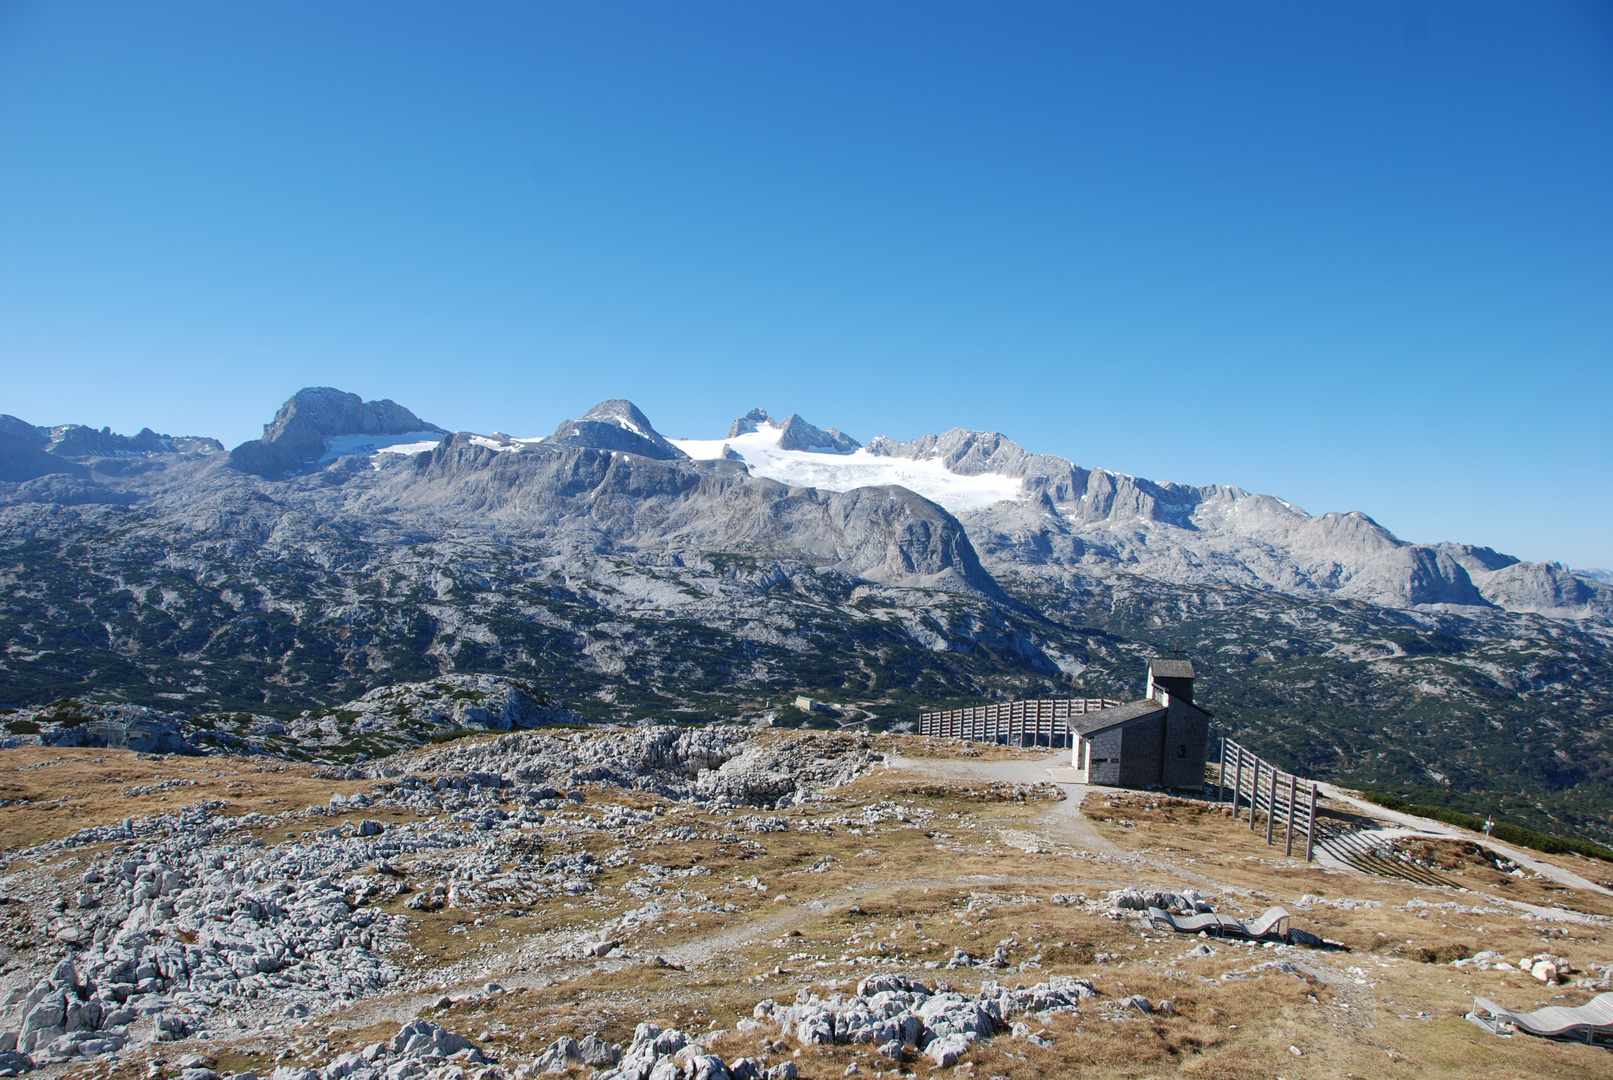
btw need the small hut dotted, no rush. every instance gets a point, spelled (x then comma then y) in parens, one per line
(1159, 741)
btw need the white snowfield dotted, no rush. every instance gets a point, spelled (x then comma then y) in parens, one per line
(411, 442)
(860, 469)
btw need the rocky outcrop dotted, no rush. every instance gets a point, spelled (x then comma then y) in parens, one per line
(395, 717)
(100, 724)
(668, 1054)
(197, 916)
(901, 1017)
(725, 765)
(295, 439)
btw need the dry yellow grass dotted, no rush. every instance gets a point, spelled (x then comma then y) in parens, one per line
(965, 871)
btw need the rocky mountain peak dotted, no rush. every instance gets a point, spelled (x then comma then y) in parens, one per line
(616, 424)
(295, 438)
(624, 414)
(325, 410)
(748, 423)
(797, 434)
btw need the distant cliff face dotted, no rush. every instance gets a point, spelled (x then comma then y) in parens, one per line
(607, 499)
(1076, 521)
(297, 437)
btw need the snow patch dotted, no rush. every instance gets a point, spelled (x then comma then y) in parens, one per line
(504, 444)
(410, 442)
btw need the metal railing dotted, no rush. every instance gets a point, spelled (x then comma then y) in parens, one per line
(1281, 797)
(1043, 722)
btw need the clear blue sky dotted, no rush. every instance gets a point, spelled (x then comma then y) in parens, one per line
(1356, 254)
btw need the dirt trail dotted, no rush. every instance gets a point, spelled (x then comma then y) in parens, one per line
(1064, 818)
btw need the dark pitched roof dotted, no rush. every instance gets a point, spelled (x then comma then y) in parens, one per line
(1118, 714)
(1171, 669)
(1104, 719)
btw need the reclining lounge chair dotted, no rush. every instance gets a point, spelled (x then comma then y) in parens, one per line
(1272, 924)
(1591, 1022)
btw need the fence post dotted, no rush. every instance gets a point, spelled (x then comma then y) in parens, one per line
(1254, 788)
(1254, 795)
(1237, 781)
(1288, 832)
(1271, 803)
(1310, 826)
(1221, 775)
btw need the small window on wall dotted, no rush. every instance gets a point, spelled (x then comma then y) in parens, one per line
(1181, 751)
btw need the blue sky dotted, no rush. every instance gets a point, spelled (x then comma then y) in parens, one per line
(1359, 255)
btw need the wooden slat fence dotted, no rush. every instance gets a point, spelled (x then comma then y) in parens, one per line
(1282, 799)
(1044, 722)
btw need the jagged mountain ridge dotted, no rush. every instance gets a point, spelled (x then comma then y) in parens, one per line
(1063, 523)
(1070, 521)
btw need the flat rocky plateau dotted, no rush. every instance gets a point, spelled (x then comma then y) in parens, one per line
(657, 902)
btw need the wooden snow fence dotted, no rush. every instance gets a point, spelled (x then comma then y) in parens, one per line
(1281, 798)
(1013, 723)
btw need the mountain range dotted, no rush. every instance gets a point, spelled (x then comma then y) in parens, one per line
(355, 544)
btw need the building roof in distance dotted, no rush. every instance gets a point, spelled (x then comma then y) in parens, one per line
(1170, 669)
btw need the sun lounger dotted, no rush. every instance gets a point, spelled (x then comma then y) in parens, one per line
(1272, 924)
(1590, 1022)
